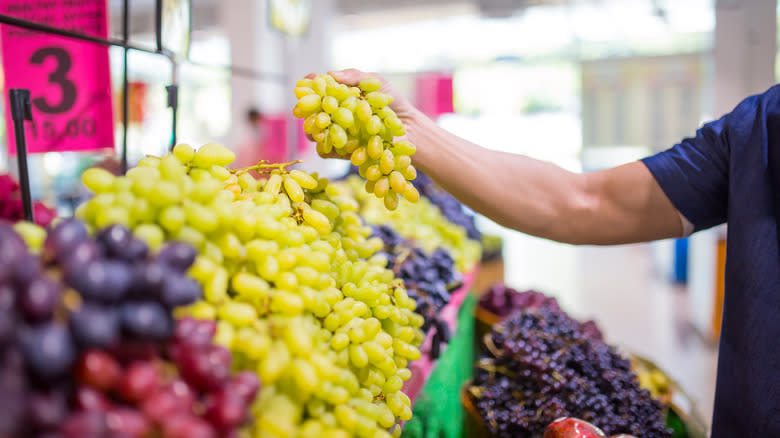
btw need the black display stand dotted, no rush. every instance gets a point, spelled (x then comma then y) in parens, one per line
(21, 110)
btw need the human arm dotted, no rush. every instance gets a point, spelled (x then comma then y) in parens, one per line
(619, 205)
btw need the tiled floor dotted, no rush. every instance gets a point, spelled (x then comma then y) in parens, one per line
(621, 288)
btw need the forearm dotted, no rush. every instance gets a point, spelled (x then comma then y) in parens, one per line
(519, 192)
(542, 199)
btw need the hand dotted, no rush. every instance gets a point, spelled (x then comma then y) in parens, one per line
(352, 77)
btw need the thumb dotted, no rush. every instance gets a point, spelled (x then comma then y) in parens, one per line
(349, 77)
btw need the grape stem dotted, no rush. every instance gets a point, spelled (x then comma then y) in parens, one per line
(264, 166)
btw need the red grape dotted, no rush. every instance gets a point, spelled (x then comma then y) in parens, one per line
(225, 410)
(87, 424)
(128, 423)
(188, 426)
(98, 369)
(139, 380)
(90, 399)
(245, 384)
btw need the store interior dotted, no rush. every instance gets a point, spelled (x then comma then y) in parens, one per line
(584, 84)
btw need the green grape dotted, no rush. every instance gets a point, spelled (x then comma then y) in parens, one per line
(330, 104)
(373, 173)
(149, 233)
(172, 218)
(303, 91)
(98, 180)
(381, 187)
(310, 104)
(403, 147)
(363, 111)
(369, 85)
(305, 82)
(386, 162)
(374, 125)
(378, 100)
(338, 136)
(343, 117)
(410, 173)
(359, 156)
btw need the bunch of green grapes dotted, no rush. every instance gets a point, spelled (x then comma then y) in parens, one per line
(290, 275)
(357, 122)
(421, 221)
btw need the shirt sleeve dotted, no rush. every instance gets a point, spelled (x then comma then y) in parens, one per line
(694, 174)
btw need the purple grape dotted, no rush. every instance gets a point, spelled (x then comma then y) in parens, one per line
(178, 255)
(114, 239)
(27, 270)
(146, 320)
(94, 326)
(46, 410)
(102, 280)
(39, 299)
(12, 251)
(179, 290)
(82, 254)
(148, 280)
(48, 351)
(63, 238)
(135, 250)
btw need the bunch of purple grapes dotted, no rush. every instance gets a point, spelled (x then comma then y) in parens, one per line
(539, 365)
(503, 301)
(70, 316)
(429, 280)
(11, 204)
(450, 207)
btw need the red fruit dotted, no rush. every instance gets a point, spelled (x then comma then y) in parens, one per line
(139, 381)
(225, 410)
(572, 428)
(185, 396)
(98, 370)
(205, 368)
(188, 426)
(90, 424)
(244, 384)
(195, 332)
(128, 423)
(90, 399)
(160, 406)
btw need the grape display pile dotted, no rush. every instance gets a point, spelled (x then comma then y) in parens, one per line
(540, 365)
(421, 222)
(290, 281)
(85, 329)
(357, 122)
(450, 207)
(503, 301)
(11, 204)
(429, 279)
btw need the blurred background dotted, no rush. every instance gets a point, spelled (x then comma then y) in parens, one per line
(585, 84)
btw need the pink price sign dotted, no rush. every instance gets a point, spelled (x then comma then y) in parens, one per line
(69, 80)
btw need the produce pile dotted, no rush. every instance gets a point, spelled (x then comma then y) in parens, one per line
(450, 207)
(289, 276)
(11, 204)
(539, 365)
(90, 348)
(429, 278)
(421, 222)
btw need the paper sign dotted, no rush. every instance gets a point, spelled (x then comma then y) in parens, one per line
(68, 79)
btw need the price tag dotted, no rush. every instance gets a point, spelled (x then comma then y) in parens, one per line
(68, 79)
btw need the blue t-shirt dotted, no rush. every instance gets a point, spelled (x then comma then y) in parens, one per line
(730, 172)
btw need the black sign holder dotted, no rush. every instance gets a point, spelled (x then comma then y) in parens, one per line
(21, 110)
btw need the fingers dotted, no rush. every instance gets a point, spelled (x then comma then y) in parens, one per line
(351, 76)
(310, 76)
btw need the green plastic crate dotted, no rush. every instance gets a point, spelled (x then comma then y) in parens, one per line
(438, 412)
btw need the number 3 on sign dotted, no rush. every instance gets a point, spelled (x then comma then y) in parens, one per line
(58, 77)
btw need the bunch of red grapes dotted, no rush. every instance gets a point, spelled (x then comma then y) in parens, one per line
(11, 204)
(89, 347)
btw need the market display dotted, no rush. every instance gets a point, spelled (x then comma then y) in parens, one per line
(450, 207)
(420, 222)
(90, 347)
(429, 278)
(288, 275)
(356, 122)
(11, 204)
(539, 365)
